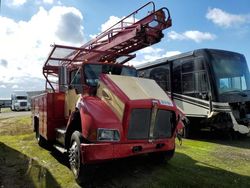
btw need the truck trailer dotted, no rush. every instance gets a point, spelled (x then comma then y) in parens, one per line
(5, 103)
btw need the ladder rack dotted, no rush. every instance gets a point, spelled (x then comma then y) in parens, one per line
(119, 41)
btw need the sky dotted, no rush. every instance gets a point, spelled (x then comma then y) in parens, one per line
(29, 27)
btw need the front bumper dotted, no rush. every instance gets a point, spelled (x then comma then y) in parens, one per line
(94, 153)
(21, 107)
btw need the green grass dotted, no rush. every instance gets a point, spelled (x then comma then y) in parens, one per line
(15, 126)
(36, 165)
(5, 110)
(204, 163)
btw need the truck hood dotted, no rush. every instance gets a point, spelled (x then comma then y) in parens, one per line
(117, 91)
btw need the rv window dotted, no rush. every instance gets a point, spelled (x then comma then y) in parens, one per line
(202, 82)
(199, 64)
(188, 83)
(188, 67)
(161, 76)
(195, 84)
(176, 78)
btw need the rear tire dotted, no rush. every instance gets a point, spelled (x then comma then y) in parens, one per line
(40, 140)
(77, 166)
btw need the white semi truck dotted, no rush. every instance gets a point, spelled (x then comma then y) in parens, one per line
(19, 101)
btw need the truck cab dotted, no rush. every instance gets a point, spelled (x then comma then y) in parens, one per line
(19, 101)
(106, 113)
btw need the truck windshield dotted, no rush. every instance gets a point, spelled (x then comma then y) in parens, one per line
(21, 97)
(231, 72)
(93, 71)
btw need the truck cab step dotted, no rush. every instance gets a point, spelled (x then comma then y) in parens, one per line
(60, 135)
(60, 148)
(61, 130)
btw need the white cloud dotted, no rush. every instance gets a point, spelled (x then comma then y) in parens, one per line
(175, 36)
(2, 86)
(150, 50)
(196, 36)
(15, 86)
(111, 21)
(15, 3)
(26, 44)
(18, 3)
(151, 54)
(171, 53)
(106, 25)
(48, 1)
(93, 36)
(224, 19)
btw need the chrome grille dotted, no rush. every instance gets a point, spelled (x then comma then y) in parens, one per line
(23, 103)
(165, 120)
(140, 124)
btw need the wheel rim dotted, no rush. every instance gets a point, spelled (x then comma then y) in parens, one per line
(74, 158)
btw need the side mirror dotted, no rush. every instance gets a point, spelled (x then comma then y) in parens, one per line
(204, 96)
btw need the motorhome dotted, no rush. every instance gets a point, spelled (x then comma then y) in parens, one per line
(211, 86)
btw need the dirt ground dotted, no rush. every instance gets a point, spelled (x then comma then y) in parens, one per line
(9, 114)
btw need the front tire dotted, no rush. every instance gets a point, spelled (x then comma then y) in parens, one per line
(161, 157)
(77, 166)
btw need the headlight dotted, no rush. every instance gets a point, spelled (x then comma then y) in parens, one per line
(108, 135)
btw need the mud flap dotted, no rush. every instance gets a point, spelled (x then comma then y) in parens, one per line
(238, 127)
(243, 129)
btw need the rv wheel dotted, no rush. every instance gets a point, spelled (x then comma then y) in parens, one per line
(78, 168)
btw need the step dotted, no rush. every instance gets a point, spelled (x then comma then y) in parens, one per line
(61, 130)
(60, 148)
(60, 135)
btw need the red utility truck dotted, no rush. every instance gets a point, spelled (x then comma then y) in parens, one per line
(96, 108)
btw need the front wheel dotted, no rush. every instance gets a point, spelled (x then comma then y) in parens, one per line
(161, 157)
(77, 166)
